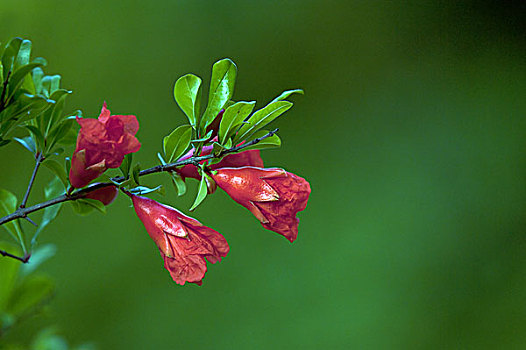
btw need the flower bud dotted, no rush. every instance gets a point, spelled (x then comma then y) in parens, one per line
(274, 195)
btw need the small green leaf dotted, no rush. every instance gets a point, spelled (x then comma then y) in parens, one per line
(28, 143)
(85, 205)
(32, 292)
(37, 75)
(58, 170)
(221, 89)
(178, 183)
(24, 53)
(135, 174)
(37, 136)
(17, 78)
(270, 142)
(50, 84)
(140, 190)
(287, 93)
(201, 192)
(8, 274)
(175, 144)
(53, 189)
(8, 206)
(161, 159)
(67, 163)
(187, 93)
(233, 117)
(38, 256)
(261, 118)
(59, 132)
(126, 165)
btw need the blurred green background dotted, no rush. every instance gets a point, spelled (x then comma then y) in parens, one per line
(411, 133)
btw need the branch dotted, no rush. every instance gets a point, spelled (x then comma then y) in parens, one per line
(39, 160)
(23, 259)
(23, 212)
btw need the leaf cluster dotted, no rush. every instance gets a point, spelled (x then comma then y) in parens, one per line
(31, 100)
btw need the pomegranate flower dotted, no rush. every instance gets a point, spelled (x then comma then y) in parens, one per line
(184, 242)
(236, 160)
(274, 195)
(102, 143)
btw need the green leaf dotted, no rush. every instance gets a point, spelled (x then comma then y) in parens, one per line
(37, 75)
(287, 93)
(32, 292)
(233, 117)
(221, 89)
(50, 84)
(18, 76)
(67, 163)
(59, 132)
(178, 183)
(201, 192)
(85, 206)
(135, 173)
(58, 170)
(24, 53)
(28, 143)
(53, 189)
(161, 159)
(140, 190)
(38, 256)
(126, 165)
(9, 55)
(37, 136)
(269, 142)
(8, 274)
(175, 144)
(47, 339)
(187, 93)
(261, 118)
(8, 206)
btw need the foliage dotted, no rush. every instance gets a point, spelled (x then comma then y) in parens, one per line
(223, 134)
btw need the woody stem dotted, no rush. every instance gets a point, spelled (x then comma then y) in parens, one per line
(22, 212)
(39, 160)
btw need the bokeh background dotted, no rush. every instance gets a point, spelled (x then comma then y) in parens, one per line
(411, 133)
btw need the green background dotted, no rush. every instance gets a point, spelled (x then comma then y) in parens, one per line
(411, 133)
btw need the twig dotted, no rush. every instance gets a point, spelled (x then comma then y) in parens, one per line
(39, 160)
(23, 259)
(23, 212)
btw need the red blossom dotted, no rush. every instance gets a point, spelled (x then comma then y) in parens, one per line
(236, 160)
(273, 195)
(184, 242)
(101, 144)
(105, 195)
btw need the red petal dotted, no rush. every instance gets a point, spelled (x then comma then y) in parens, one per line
(104, 113)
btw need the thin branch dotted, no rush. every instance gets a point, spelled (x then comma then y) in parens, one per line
(23, 259)
(39, 160)
(23, 212)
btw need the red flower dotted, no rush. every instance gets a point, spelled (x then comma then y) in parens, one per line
(184, 242)
(274, 195)
(236, 160)
(102, 143)
(105, 195)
